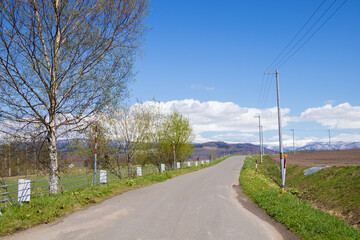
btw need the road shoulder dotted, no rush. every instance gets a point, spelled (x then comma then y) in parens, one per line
(256, 210)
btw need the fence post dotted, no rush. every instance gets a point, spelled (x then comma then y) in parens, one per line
(162, 167)
(178, 165)
(188, 164)
(202, 162)
(23, 191)
(138, 171)
(103, 176)
(196, 164)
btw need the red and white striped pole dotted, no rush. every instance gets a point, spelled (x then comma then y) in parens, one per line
(174, 154)
(95, 155)
(284, 174)
(256, 164)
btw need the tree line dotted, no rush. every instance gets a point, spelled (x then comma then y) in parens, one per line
(139, 135)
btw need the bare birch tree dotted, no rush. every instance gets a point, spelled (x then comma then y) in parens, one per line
(62, 62)
(130, 128)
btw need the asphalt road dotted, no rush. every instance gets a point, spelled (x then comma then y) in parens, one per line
(198, 205)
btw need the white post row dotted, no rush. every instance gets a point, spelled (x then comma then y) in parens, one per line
(188, 164)
(196, 164)
(207, 161)
(138, 172)
(162, 167)
(202, 162)
(103, 174)
(23, 191)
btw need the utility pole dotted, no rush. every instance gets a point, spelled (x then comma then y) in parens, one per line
(293, 130)
(260, 141)
(280, 131)
(329, 140)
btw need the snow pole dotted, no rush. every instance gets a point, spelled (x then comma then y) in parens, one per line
(284, 173)
(255, 164)
(95, 155)
(174, 154)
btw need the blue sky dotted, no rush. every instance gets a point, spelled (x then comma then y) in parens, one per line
(200, 55)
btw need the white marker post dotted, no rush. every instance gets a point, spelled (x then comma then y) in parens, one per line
(139, 171)
(23, 191)
(103, 174)
(162, 167)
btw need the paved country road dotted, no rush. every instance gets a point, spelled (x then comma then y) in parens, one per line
(198, 205)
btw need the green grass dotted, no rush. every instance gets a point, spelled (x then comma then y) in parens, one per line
(296, 214)
(334, 189)
(47, 208)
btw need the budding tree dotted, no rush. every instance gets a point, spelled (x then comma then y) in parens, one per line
(175, 129)
(63, 62)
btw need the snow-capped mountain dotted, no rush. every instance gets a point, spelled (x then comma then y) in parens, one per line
(318, 146)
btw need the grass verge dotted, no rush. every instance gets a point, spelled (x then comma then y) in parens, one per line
(335, 190)
(296, 214)
(47, 208)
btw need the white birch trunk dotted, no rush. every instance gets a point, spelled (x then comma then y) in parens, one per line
(53, 177)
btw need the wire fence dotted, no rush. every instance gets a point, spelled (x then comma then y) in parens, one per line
(23, 190)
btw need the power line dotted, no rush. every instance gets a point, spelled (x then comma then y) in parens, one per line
(282, 58)
(293, 39)
(304, 35)
(312, 34)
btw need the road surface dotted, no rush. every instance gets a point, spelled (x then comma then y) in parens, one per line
(198, 205)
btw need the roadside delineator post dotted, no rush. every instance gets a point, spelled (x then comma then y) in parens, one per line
(255, 164)
(284, 174)
(95, 155)
(174, 154)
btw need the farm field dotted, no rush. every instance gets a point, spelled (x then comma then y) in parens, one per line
(349, 157)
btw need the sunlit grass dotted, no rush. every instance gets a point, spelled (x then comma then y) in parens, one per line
(294, 213)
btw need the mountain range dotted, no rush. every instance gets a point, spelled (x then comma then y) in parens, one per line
(319, 146)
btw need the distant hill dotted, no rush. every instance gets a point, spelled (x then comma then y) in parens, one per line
(203, 150)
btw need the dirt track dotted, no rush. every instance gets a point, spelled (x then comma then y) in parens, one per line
(349, 157)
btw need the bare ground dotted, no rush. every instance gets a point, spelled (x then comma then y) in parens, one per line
(350, 157)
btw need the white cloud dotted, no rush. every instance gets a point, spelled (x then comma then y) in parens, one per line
(229, 122)
(214, 116)
(342, 116)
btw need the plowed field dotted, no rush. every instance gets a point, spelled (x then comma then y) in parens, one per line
(349, 157)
